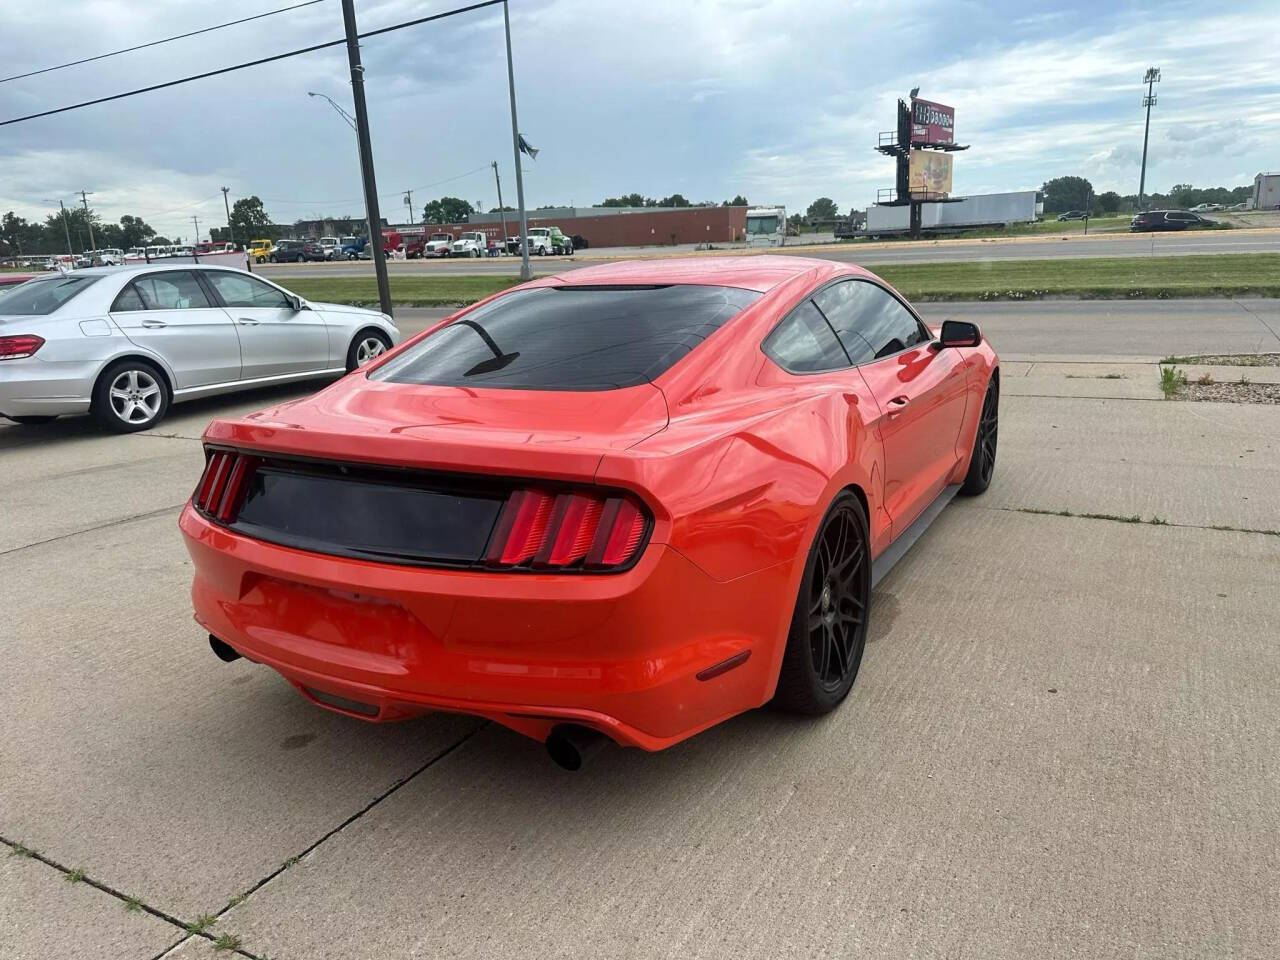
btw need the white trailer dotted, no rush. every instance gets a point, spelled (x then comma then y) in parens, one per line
(982, 210)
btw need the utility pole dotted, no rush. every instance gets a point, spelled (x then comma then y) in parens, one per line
(1150, 78)
(195, 240)
(231, 231)
(408, 202)
(501, 209)
(66, 225)
(84, 198)
(366, 156)
(525, 273)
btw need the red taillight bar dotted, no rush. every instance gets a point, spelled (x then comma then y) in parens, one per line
(19, 347)
(221, 489)
(548, 531)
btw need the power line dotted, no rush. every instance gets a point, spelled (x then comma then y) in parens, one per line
(156, 43)
(251, 63)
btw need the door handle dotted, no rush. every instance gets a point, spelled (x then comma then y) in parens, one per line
(249, 321)
(153, 324)
(897, 405)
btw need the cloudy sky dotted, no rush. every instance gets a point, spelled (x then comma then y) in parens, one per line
(780, 100)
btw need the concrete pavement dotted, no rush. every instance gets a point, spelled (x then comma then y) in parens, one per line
(1060, 743)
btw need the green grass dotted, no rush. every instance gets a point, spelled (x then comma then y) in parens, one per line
(415, 290)
(1221, 275)
(226, 941)
(73, 876)
(18, 850)
(201, 924)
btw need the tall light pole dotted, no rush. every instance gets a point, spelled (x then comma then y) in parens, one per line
(525, 273)
(366, 156)
(226, 205)
(408, 202)
(351, 121)
(66, 224)
(1150, 78)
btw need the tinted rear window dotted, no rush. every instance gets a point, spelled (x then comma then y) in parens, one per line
(570, 338)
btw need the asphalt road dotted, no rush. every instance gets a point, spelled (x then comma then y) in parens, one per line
(1142, 330)
(1025, 248)
(1061, 743)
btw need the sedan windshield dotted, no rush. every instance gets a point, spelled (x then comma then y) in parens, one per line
(570, 338)
(42, 295)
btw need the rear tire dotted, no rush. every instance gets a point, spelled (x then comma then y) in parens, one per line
(829, 625)
(365, 346)
(982, 462)
(130, 395)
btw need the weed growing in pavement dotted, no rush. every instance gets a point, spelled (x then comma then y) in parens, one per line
(1206, 378)
(227, 941)
(132, 904)
(1171, 381)
(201, 923)
(20, 851)
(73, 876)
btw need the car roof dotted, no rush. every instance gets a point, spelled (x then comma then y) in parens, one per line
(146, 268)
(761, 273)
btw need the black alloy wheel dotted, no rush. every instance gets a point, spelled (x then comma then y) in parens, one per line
(982, 464)
(829, 625)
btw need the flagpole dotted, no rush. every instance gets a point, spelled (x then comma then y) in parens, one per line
(525, 272)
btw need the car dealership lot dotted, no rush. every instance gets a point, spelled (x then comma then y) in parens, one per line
(1060, 743)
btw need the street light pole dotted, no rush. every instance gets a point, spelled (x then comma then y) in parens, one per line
(502, 211)
(231, 231)
(66, 225)
(1150, 78)
(366, 156)
(525, 273)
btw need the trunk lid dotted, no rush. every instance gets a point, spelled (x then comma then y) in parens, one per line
(517, 433)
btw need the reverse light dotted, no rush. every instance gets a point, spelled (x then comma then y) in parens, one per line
(23, 345)
(544, 530)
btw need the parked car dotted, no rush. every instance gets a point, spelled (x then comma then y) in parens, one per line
(296, 251)
(666, 572)
(1151, 220)
(473, 243)
(1072, 215)
(124, 343)
(330, 247)
(580, 242)
(1206, 207)
(261, 250)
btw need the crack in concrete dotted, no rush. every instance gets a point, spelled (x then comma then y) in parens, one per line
(1155, 521)
(1257, 316)
(101, 526)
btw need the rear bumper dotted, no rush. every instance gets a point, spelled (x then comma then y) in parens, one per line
(36, 387)
(620, 653)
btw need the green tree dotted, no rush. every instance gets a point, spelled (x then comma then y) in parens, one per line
(1109, 202)
(1066, 193)
(738, 201)
(629, 200)
(675, 200)
(447, 210)
(824, 208)
(250, 221)
(1185, 195)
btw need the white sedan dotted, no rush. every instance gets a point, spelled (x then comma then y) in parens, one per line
(123, 343)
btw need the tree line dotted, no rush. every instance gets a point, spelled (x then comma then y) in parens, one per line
(1076, 193)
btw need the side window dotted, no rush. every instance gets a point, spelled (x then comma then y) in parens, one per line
(242, 290)
(128, 300)
(176, 290)
(804, 343)
(870, 322)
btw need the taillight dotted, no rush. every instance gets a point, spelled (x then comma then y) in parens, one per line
(23, 345)
(221, 489)
(543, 530)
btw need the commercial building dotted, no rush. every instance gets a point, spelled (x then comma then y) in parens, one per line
(609, 226)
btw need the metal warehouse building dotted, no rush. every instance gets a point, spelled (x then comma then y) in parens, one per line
(1266, 191)
(611, 226)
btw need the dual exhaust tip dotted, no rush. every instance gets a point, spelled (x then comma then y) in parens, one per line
(569, 745)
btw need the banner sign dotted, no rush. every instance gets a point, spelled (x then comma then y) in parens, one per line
(929, 174)
(932, 123)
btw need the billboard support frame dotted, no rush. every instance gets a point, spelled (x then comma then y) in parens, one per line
(899, 144)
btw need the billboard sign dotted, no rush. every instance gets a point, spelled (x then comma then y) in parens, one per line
(932, 123)
(929, 174)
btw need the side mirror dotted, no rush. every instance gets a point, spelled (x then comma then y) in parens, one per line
(959, 333)
(297, 304)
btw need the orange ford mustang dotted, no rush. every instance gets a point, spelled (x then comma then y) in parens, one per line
(621, 504)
